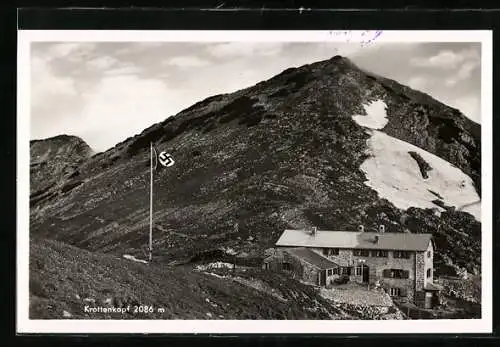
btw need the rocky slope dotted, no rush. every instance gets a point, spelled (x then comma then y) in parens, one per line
(54, 160)
(284, 153)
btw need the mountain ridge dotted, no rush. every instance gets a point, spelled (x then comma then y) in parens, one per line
(344, 62)
(415, 133)
(285, 152)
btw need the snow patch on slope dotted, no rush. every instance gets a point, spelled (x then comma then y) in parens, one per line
(395, 175)
(376, 116)
(131, 257)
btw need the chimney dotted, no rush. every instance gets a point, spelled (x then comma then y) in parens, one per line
(314, 231)
(381, 229)
(361, 228)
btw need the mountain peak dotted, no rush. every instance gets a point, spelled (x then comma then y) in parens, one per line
(54, 158)
(61, 138)
(339, 58)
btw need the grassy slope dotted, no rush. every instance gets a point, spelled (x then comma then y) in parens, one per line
(63, 276)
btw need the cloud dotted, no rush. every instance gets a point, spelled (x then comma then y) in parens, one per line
(463, 73)
(450, 75)
(446, 59)
(186, 61)
(102, 63)
(45, 84)
(467, 68)
(418, 82)
(469, 105)
(137, 47)
(72, 52)
(124, 69)
(89, 90)
(245, 49)
(53, 98)
(467, 102)
(121, 106)
(451, 81)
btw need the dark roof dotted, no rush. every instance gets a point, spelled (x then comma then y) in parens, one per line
(312, 258)
(356, 240)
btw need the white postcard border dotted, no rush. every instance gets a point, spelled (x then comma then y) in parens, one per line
(26, 325)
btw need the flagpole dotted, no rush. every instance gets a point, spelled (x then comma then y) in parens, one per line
(151, 205)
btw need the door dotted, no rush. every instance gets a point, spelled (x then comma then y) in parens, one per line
(428, 300)
(322, 277)
(366, 273)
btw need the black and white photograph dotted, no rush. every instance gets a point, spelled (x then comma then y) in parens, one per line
(270, 180)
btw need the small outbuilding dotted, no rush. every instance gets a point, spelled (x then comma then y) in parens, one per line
(304, 264)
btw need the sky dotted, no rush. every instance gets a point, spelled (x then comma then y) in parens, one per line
(105, 92)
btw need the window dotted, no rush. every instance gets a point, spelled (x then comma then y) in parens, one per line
(335, 271)
(396, 273)
(330, 272)
(379, 254)
(429, 273)
(287, 266)
(330, 251)
(428, 254)
(395, 291)
(401, 254)
(361, 252)
(359, 270)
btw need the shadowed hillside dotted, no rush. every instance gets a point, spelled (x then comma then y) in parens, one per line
(61, 287)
